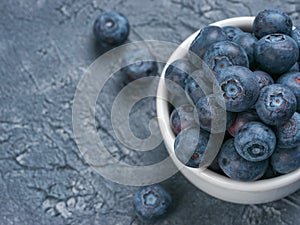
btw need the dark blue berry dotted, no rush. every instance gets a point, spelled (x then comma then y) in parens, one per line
(276, 104)
(182, 118)
(176, 75)
(190, 145)
(111, 29)
(239, 86)
(139, 64)
(264, 79)
(292, 81)
(247, 42)
(151, 203)
(286, 160)
(193, 91)
(255, 141)
(241, 119)
(224, 54)
(272, 21)
(207, 36)
(276, 53)
(288, 134)
(208, 110)
(236, 167)
(232, 32)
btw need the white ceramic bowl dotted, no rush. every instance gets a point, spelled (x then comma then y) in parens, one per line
(219, 186)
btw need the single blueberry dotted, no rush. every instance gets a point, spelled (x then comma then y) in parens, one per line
(276, 53)
(135, 65)
(224, 54)
(209, 110)
(272, 21)
(236, 167)
(151, 203)
(241, 119)
(264, 79)
(286, 160)
(240, 88)
(247, 42)
(292, 81)
(176, 75)
(182, 118)
(255, 141)
(232, 32)
(111, 29)
(207, 36)
(288, 134)
(276, 104)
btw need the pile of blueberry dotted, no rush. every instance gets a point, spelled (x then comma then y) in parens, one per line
(259, 81)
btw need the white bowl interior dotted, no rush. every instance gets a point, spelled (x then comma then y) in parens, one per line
(207, 180)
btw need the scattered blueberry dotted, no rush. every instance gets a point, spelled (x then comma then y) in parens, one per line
(276, 104)
(182, 118)
(224, 54)
(236, 167)
(286, 160)
(255, 141)
(276, 53)
(111, 29)
(136, 64)
(292, 81)
(151, 203)
(240, 88)
(232, 32)
(272, 21)
(288, 134)
(264, 79)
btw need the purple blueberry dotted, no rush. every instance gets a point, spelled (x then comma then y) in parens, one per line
(151, 203)
(182, 118)
(286, 160)
(240, 88)
(264, 79)
(232, 32)
(272, 21)
(288, 134)
(247, 42)
(292, 81)
(241, 119)
(208, 110)
(276, 104)
(236, 167)
(255, 141)
(111, 29)
(177, 73)
(224, 54)
(276, 53)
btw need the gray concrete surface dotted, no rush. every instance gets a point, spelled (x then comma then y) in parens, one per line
(45, 47)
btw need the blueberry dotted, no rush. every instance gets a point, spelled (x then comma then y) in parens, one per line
(247, 42)
(264, 79)
(193, 91)
(276, 104)
(286, 160)
(177, 73)
(232, 32)
(292, 81)
(272, 21)
(288, 134)
(190, 145)
(223, 54)
(182, 118)
(295, 67)
(240, 88)
(135, 66)
(207, 36)
(241, 119)
(255, 141)
(236, 167)
(207, 110)
(296, 36)
(111, 29)
(276, 53)
(151, 203)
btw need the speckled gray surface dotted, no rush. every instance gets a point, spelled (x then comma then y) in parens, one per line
(45, 47)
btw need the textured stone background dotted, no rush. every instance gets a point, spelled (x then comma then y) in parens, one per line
(45, 47)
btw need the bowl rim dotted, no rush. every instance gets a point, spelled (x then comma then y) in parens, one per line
(169, 137)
